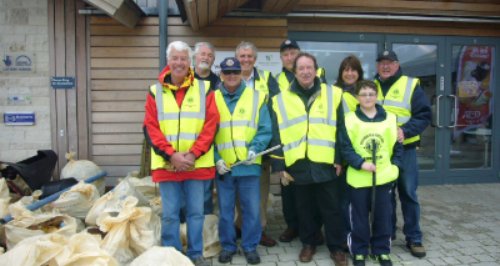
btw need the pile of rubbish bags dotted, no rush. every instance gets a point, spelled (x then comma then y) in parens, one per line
(84, 225)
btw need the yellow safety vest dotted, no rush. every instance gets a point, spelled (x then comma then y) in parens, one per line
(349, 102)
(261, 83)
(285, 84)
(361, 135)
(237, 130)
(398, 101)
(182, 126)
(302, 134)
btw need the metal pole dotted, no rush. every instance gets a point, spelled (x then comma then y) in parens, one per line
(163, 16)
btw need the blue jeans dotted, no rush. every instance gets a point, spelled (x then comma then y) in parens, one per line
(246, 188)
(173, 194)
(406, 185)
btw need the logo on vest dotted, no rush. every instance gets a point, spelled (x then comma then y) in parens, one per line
(190, 100)
(241, 111)
(366, 142)
(395, 92)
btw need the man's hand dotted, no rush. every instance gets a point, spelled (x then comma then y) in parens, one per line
(369, 166)
(190, 157)
(401, 135)
(285, 178)
(251, 156)
(222, 167)
(338, 169)
(180, 162)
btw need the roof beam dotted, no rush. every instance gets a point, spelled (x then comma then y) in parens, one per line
(127, 12)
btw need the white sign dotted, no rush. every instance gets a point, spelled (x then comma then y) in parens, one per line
(17, 62)
(265, 60)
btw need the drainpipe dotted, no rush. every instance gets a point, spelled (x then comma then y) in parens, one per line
(163, 16)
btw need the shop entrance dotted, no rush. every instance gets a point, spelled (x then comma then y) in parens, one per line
(457, 75)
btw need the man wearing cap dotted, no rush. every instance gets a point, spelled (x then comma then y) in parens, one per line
(289, 49)
(204, 57)
(403, 96)
(244, 131)
(180, 123)
(263, 81)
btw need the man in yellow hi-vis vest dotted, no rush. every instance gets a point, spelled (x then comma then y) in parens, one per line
(244, 131)
(262, 81)
(403, 96)
(180, 123)
(305, 119)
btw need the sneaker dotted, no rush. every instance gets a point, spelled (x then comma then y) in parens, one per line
(358, 260)
(200, 261)
(384, 260)
(416, 249)
(226, 256)
(252, 257)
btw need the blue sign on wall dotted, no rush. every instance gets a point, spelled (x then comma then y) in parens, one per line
(17, 62)
(19, 118)
(62, 82)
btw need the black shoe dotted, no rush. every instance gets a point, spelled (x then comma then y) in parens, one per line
(252, 257)
(384, 259)
(416, 249)
(358, 260)
(226, 256)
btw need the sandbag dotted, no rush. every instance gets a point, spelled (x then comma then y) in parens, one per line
(211, 243)
(77, 201)
(131, 232)
(26, 224)
(161, 256)
(81, 170)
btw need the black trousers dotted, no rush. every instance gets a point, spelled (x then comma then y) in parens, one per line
(322, 198)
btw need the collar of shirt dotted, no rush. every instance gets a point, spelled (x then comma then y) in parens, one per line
(251, 79)
(237, 92)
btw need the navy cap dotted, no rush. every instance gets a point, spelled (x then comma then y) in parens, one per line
(230, 63)
(289, 44)
(387, 55)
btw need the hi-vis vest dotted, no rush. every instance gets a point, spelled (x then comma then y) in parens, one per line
(308, 135)
(181, 127)
(398, 101)
(349, 102)
(285, 84)
(361, 135)
(237, 130)
(261, 83)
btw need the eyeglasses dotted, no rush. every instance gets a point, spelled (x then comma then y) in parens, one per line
(233, 72)
(367, 95)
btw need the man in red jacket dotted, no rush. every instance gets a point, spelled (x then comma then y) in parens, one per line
(180, 124)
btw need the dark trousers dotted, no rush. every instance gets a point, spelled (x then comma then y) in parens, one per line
(288, 206)
(359, 239)
(325, 197)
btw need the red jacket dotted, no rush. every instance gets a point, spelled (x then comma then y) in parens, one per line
(162, 147)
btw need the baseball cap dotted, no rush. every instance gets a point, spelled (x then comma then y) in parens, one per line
(289, 44)
(387, 55)
(230, 63)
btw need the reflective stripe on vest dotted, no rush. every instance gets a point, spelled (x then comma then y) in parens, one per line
(238, 129)
(349, 102)
(399, 102)
(181, 126)
(303, 134)
(361, 135)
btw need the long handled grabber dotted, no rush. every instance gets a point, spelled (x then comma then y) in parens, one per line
(38, 204)
(374, 184)
(259, 154)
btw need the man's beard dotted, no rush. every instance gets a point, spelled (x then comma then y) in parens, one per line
(203, 66)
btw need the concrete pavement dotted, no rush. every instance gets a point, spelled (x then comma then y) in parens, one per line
(461, 226)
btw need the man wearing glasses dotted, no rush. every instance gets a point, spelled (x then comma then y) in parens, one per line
(244, 131)
(403, 96)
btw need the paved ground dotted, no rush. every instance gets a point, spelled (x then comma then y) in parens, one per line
(461, 226)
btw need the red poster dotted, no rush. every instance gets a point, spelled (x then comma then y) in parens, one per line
(474, 91)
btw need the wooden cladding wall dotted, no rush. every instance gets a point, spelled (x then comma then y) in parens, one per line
(124, 62)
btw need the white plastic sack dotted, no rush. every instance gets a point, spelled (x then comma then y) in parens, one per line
(26, 224)
(77, 201)
(4, 198)
(162, 256)
(84, 249)
(35, 250)
(211, 243)
(81, 170)
(131, 232)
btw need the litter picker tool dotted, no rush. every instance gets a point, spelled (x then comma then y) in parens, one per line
(374, 183)
(259, 154)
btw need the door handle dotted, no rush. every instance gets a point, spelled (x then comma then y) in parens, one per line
(454, 111)
(438, 125)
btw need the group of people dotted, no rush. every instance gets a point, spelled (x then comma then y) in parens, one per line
(341, 151)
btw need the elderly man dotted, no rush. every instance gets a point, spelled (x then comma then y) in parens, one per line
(204, 57)
(263, 81)
(180, 123)
(289, 50)
(245, 130)
(305, 119)
(403, 96)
